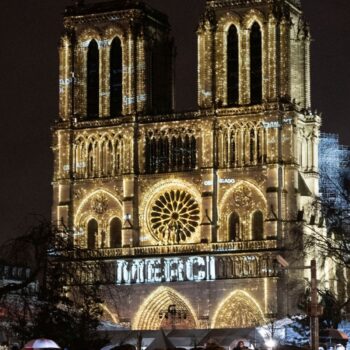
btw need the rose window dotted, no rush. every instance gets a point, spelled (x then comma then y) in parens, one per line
(174, 216)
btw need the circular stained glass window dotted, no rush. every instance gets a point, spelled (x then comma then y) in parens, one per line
(174, 216)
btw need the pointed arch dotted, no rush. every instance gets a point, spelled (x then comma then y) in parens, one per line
(115, 233)
(233, 148)
(255, 64)
(187, 153)
(166, 153)
(232, 66)
(116, 77)
(153, 155)
(257, 225)
(238, 310)
(92, 231)
(84, 212)
(90, 162)
(179, 153)
(193, 152)
(109, 158)
(173, 154)
(147, 155)
(93, 76)
(248, 184)
(252, 152)
(243, 198)
(150, 314)
(234, 227)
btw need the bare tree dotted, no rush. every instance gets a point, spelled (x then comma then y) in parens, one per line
(67, 304)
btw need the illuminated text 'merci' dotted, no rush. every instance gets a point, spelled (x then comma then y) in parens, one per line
(157, 270)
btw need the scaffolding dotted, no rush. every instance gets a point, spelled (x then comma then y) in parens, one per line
(334, 167)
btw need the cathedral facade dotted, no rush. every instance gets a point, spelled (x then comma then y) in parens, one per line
(191, 210)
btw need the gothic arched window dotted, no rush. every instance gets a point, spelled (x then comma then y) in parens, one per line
(92, 230)
(109, 158)
(257, 226)
(193, 152)
(187, 153)
(179, 153)
(153, 161)
(252, 145)
(232, 66)
(233, 149)
(148, 155)
(115, 233)
(234, 227)
(166, 153)
(93, 80)
(116, 77)
(173, 153)
(118, 151)
(255, 64)
(90, 165)
(163, 154)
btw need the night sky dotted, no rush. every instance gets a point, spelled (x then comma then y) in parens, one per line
(30, 31)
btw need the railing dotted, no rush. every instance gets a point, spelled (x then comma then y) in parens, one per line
(188, 249)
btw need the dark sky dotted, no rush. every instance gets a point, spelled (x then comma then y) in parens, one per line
(28, 88)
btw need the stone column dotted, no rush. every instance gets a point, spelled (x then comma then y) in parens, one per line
(65, 77)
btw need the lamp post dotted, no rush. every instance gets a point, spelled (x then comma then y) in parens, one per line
(314, 310)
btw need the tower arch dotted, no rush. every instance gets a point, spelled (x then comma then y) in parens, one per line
(103, 207)
(242, 200)
(256, 64)
(232, 66)
(92, 83)
(116, 77)
(153, 311)
(238, 310)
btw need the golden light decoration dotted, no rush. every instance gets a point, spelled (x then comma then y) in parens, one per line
(174, 216)
(149, 315)
(238, 310)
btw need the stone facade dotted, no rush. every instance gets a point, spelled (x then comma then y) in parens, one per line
(191, 209)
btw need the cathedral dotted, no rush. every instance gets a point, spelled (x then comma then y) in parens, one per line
(193, 211)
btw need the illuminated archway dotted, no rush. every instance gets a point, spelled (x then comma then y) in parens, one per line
(101, 206)
(243, 198)
(238, 310)
(153, 312)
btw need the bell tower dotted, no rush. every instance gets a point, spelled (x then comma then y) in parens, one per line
(252, 52)
(115, 60)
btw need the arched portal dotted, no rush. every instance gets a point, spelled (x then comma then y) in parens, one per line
(165, 308)
(238, 310)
